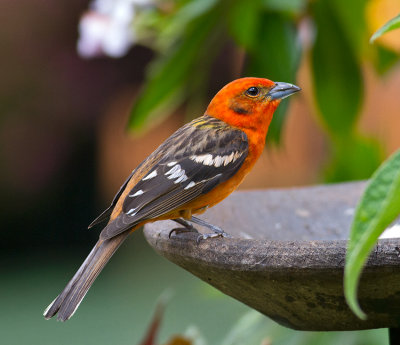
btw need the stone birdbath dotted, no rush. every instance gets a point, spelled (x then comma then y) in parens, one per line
(286, 255)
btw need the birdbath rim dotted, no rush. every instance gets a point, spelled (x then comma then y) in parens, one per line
(297, 282)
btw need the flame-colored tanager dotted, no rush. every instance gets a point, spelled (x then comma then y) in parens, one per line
(195, 168)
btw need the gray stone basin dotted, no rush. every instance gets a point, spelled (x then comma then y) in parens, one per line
(286, 257)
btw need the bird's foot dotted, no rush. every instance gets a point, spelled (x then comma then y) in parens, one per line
(212, 235)
(178, 231)
(188, 227)
(217, 231)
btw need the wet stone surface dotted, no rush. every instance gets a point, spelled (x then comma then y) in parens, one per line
(286, 256)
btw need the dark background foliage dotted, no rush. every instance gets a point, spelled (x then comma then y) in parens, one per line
(59, 144)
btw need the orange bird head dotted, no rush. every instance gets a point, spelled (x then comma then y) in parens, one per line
(249, 103)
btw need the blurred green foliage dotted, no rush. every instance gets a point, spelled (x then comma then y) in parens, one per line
(189, 35)
(337, 75)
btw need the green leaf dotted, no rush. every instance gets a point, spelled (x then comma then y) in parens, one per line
(176, 24)
(389, 26)
(277, 58)
(379, 206)
(384, 59)
(353, 158)
(243, 22)
(338, 84)
(165, 86)
(292, 7)
(352, 19)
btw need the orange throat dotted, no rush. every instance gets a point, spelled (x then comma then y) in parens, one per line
(254, 123)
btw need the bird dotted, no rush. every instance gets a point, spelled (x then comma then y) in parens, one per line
(195, 168)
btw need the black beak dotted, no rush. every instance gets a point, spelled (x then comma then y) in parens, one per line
(282, 90)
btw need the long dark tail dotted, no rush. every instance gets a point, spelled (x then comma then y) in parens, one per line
(68, 301)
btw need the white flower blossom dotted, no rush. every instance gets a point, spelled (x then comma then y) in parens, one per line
(106, 29)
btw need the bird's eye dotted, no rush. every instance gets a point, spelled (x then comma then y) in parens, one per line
(252, 91)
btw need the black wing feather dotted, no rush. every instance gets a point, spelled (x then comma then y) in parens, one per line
(161, 193)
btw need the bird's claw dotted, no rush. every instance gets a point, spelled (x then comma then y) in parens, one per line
(211, 235)
(188, 227)
(178, 231)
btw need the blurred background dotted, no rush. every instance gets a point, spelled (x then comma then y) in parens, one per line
(89, 89)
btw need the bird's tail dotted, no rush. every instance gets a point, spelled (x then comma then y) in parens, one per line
(68, 301)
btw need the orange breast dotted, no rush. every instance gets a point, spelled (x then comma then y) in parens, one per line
(220, 192)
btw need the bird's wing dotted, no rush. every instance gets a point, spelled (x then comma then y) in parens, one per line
(195, 159)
